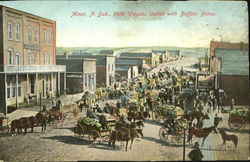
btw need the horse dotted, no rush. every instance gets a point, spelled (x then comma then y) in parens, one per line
(26, 122)
(42, 118)
(14, 125)
(195, 114)
(201, 133)
(56, 115)
(226, 137)
(124, 134)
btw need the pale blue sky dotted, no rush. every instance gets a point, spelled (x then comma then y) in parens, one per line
(231, 22)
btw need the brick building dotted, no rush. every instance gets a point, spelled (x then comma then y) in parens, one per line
(231, 62)
(105, 67)
(81, 74)
(27, 57)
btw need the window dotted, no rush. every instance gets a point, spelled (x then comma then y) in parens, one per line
(44, 37)
(8, 87)
(29, 34)
(17, 32)
(86, 80)
(29, 57)
(45, 58)
(13, 87)
(36, 35)
(35, 58)
(10, 32)
(10, 57)
(89, 79)
(18, 59)
(49, 58)
(109, 67)
(49, 37)
(19, 87)
(112, 67)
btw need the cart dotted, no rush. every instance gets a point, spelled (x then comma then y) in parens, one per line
(238, 118)
(4, 127)
(93, 133)
(173, 135)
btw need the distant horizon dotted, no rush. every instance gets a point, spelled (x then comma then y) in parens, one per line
(175, 23)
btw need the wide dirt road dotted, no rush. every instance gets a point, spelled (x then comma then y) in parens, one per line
(59, 144)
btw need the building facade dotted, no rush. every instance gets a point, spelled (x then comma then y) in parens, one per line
(27, 58)
(81, 74)
(126, 73)
(105, 67)
(230, 61)
(150, 59)
(130, 62)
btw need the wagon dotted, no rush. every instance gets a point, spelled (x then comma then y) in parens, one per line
(173, 134)
(238, 118)
(4, 127)
(82, 130)
(167, 111)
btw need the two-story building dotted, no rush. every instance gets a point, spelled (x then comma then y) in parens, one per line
(230, 61)
(27, 58)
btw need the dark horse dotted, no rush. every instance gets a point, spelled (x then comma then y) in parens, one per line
(195, 114)
(226, 137)
(23, 123)
(42, 119)
(200, 133)
(124, 134)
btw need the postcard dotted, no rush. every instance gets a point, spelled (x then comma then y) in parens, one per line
(124, 80)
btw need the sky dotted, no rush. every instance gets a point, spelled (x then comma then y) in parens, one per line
(230, 22)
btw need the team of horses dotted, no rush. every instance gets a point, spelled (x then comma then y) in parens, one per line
(42, 118)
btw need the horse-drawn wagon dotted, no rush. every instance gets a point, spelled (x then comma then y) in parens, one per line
(238, 118)
(92, 128)
(172, 132)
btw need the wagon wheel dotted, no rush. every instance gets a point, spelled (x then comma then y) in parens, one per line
(164, 134)
(236, 123)
(94, 135)
(106, 137)
(177, 138)
(78, 130)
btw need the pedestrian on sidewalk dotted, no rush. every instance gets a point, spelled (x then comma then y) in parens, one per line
(196, 154)
(217, 120)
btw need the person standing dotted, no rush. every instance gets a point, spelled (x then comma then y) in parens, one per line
(195, 154)
(232, 103)
(216, 120)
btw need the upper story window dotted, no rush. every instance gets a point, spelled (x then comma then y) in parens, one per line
(35, 35)
(35, 58)
(49, 58)
(50, 38)
(29, 34)
(10, 56)
(109, 67)
(29, 57)
(45, 59)
(18, 59)
(44, 37)
(112, 67)
(17, 32)
(10, 30)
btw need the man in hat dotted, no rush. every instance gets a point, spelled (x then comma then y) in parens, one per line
(195, 154)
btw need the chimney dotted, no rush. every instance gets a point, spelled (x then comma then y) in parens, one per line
(66, 56)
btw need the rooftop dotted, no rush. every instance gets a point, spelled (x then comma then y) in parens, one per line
(128, 62)
(122, 68)
(136, 55)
